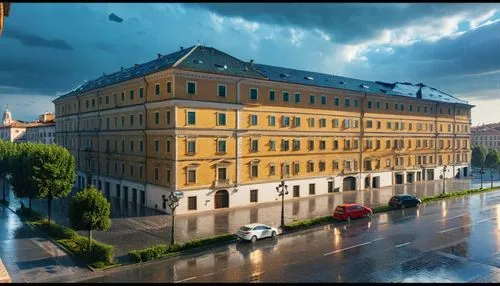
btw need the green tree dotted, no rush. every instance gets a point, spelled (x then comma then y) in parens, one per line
(22, 179)
(53, 172)
(6, 153)
(478, 158)
(491, 162)
(89, 210)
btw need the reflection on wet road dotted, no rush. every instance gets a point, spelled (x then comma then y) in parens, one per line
(456, 240)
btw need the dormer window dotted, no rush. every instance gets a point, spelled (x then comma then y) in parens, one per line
(309, 78)
(342, 82)
(364, 86)
(284, 75)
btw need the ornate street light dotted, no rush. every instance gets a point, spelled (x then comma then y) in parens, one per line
(282, 190)
(173, 203)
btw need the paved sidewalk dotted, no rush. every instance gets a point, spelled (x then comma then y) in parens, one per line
(137, 232)
(30, 257)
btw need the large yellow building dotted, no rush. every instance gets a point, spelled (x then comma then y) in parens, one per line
(225, 132)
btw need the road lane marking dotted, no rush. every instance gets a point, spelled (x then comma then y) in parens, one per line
(339, 250)
(377, 239)
(401, 245)
(445, 219)
(187, 279)
(481, 221)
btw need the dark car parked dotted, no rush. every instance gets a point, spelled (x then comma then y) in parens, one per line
(403, 201)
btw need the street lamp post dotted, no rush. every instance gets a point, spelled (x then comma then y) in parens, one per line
(444, 178)
(173, 203)
(282, 190)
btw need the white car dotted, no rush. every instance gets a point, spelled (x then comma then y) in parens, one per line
(256, 231)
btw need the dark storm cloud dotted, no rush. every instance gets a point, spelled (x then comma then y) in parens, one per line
(345, 23)
(105, 47)
(33, 40)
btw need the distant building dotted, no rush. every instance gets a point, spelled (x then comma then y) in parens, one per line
(38, 131)
(487, 135)
(43, 131)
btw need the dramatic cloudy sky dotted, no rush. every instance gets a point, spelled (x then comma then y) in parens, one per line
(48, 49)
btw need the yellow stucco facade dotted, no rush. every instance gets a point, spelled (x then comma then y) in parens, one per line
(158, 134)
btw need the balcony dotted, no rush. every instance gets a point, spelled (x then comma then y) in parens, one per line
(222, 183)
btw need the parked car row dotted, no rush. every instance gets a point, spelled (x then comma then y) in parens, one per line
(344, 212)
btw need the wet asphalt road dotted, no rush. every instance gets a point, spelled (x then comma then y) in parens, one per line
(456, 240)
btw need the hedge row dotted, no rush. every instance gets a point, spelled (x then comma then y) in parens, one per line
(101, 254)
(162, 250)
(327, 219)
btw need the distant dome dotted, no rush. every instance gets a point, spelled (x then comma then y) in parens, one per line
(7, 117)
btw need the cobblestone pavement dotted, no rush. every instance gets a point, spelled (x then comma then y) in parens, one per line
(143, 228)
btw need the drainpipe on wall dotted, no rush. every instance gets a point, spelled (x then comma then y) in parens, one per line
(436, 136)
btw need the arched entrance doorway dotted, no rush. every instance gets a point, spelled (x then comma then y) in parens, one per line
(349, 183)
(221, 199)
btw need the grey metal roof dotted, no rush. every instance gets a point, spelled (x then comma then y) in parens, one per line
(339, 82)
(161, 63)
(208, 59)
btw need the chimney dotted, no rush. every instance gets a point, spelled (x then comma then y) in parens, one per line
(159, 55)
(251, 63)
(182, 48)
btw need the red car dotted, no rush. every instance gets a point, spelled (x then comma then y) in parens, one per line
(349, 211)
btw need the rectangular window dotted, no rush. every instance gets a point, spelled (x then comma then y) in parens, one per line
(221, 119)
(221, 146)
(323, 99)
(285, 121)
(322, 145)
(141, 147)
(131, 146)
(335, 123)
(156, 174)
(296, 191)
(285, 145)
(335, 144)
(254, 93)
(322, 122)
(191, 117)
(337, 101)
(286, 96)
(157, 145)
(253, 196)
(253, 119)
(347, 102)
(169, 87)
(131, 120)
(167, 146)
(168, 117)
(296, 144)
(131, 94)
(296, 168)
(311, 99)
(369, 104)
(131, 170)
(369, 124)
(192, 203)
(107, 99)
(255, 171)
(310, 144)
(191, 176)
(297, 97)
(157, 117)
(356, 103)
(272, 120)
(221, 90)
(312, 189)
(191, 87)
(191, 147)
(272, 170)
(157, 89)
(272, 95)
(310, 166)
(254, 145)
(296, 121)
(141, 92)
(272, 145)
